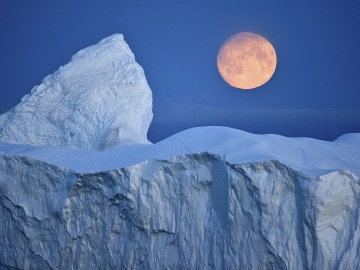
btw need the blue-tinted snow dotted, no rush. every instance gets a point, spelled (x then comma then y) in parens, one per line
(310, 156)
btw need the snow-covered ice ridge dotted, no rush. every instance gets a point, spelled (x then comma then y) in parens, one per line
(205, 198)
(99, 99)
(309, 156)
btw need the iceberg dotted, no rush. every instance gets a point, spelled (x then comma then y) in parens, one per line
(205, 198)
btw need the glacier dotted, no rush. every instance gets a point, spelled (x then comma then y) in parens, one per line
(205, 198)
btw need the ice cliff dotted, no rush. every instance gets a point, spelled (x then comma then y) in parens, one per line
(205, 198)
(99, 99)
(193, 211)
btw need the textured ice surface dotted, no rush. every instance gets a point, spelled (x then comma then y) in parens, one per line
(193, 211)
(240, 209)
(99, 99)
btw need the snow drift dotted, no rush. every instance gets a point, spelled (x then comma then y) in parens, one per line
(205, 198)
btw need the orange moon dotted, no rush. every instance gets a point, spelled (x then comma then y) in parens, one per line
(246, 60)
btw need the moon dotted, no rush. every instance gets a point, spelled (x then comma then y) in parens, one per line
(246, 60)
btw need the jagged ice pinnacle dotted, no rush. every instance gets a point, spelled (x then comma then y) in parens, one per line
(98, 100)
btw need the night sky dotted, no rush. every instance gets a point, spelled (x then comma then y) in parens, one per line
(315, 91)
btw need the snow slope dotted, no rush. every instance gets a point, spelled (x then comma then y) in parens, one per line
(99, 99)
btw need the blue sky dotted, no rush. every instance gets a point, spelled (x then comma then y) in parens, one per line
(315, 91)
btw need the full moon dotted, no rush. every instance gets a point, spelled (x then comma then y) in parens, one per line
(246, 60)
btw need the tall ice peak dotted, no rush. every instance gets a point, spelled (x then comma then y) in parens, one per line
(98, 100)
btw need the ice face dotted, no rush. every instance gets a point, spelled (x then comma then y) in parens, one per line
(193, 211)
(98, 100)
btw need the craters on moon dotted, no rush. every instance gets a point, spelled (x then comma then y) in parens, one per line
(246, 60)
